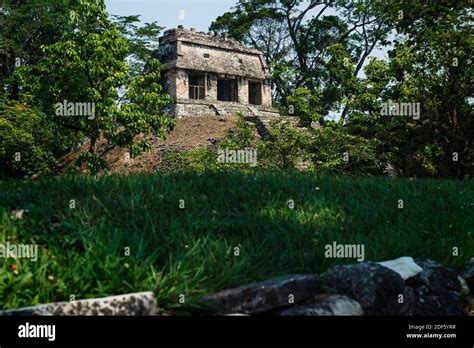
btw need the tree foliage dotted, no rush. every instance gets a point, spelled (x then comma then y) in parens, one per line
(323, 64)
(430, 65)
(142, 40)
(296, 37)
(85, 64)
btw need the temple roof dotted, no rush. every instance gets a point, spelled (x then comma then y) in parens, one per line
(198, 51)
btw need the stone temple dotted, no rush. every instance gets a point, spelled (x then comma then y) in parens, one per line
(213, 75)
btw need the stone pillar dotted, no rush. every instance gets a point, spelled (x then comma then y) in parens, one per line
(266, 93)
(243, 86)
(170, 81)
(211, 87)
(182, 87)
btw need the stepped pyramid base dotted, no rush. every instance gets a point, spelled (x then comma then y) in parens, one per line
(189, 108)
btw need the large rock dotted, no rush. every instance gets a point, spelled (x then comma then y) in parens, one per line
(468, 275)
(143, 303)
(327, 305)
(434, 291)
(375, 287)
(266, 295)
(465, 288)
(405, 266)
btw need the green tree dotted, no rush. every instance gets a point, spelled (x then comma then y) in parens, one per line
(295, 36)
(30, 142)
(430, 65)
(335, 150)
(88, 65)
(24, 27)
(142, 40)
(304, 104)
(25, 141)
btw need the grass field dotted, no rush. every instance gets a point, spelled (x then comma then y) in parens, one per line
(191, 251)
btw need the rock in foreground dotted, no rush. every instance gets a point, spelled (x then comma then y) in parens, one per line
(435, 291)
(265, 296)
(143, 303)
(327, 306)
(374, 286)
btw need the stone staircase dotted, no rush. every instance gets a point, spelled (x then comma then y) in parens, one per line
(263, 123)
(229, 109)
(253, 111)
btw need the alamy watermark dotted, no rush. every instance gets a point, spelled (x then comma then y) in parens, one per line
(345, 251)
(392, 108)
(237, 156)
(37, 331)
(75, 109)
(19, 251)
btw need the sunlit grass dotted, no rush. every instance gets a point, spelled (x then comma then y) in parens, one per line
(190, 251)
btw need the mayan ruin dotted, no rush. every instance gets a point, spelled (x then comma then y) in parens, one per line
(211, 75)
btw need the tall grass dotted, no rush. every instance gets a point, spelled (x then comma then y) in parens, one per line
(191, 251)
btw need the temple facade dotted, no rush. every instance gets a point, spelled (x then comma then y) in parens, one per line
(212, 75)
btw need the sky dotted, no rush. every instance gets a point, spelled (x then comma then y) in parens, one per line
(198, 14)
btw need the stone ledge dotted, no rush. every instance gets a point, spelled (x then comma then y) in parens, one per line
(142, 304)
(266, 295)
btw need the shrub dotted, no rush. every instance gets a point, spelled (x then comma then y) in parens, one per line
(334, 150)
(25, 141)
(305, 105)
(284, 146)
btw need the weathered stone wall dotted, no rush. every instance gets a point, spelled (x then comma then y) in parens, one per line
(190, 108)
(243, 85)
(170, 84)
(220, 61)
(211, 90)
(267, 94)
(201, 38)
(177, 84)
(182, 86)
